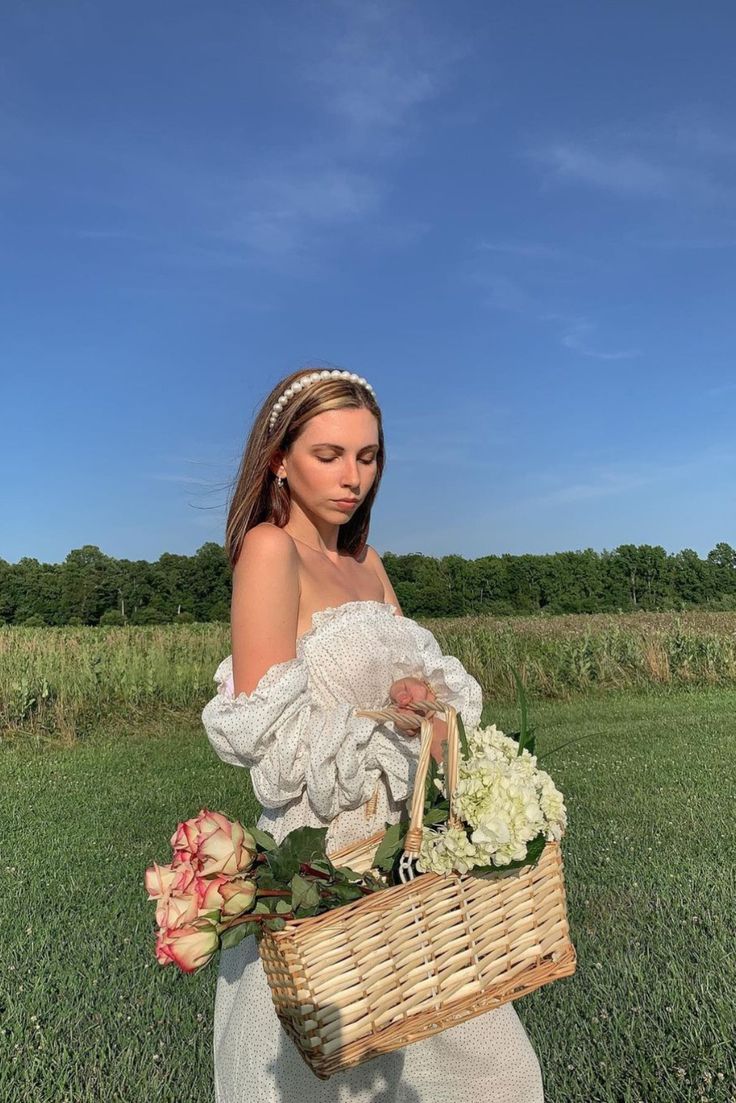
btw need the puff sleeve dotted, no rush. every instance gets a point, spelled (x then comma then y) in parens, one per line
(423, 658)
(292, 743)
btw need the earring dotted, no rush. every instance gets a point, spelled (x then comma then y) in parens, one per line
(279, 482)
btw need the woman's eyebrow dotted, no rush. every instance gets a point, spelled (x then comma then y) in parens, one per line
(339, 447)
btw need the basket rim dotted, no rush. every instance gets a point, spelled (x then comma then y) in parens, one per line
(390, 893)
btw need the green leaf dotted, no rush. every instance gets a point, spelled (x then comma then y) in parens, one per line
(390, 845)
(462, 739)
(437, 815)
(430, 788)
(282, 906)
(345, 893)
(533, 853)
(324, 865)
(235, 935)
(304, 844)
(526, 739)
(263, 840)
(213, 915)
(275, 924)
(348, 874)
(266, 880)
(307, 842)
(373, 879)
(304, 893)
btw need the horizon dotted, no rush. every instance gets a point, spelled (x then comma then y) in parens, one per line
(389, 551)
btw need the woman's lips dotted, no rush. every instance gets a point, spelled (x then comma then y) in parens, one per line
(346, 503)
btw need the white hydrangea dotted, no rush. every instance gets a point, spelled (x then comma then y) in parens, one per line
(505, 800)
(444, 849)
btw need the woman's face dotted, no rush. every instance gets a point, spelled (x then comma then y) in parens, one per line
(333, 458)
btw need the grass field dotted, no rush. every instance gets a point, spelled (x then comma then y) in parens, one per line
(58, 683)
(88, 1016)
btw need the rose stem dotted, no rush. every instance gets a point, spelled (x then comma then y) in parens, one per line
(253, 916)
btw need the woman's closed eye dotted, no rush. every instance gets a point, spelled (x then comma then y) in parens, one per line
(332, 458)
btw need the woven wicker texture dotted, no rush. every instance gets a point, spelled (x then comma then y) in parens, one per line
(414, 959)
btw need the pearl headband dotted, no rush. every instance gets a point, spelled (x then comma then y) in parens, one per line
(298, 384)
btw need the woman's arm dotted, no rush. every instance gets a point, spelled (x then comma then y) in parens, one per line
(265, 605)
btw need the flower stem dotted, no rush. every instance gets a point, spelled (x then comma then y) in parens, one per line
(315, 872)
(251, 917)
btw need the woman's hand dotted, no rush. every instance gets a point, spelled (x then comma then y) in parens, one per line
(402, 694)
(410, 689)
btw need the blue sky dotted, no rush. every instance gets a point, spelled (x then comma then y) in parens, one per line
(518, 222)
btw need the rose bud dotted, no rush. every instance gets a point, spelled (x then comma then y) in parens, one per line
(192, 947)
(239, 896)
(224, 845)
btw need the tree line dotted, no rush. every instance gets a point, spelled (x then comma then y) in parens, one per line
(91, 588)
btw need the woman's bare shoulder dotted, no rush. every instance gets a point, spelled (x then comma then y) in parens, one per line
(373, 559)
(266, 539)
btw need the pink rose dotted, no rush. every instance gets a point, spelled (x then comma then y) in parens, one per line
(176, 911)
(166, 883)
(158, 880)
(183, 883)
(212, 843)
(224, 845)
(184, 841)
(163, 942)
(189, 947)
(207, 891)
(239, 896)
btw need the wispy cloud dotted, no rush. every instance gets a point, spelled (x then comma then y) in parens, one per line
(626, 478)
(502, 292)
(576, 339)
(384, 67)
(728, 241)
(386, 63)
(186, 479)
(676, 157)
(625, 173)
(369, 79)
(531, 249)
(289, 210)
(604, 484)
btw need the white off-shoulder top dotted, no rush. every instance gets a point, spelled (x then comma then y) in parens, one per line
(311, 759)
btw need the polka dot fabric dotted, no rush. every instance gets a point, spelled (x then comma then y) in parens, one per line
(313, 762)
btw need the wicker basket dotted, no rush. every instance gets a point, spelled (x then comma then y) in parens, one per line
(412, 960)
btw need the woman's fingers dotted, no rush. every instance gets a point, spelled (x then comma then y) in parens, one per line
(406, 690)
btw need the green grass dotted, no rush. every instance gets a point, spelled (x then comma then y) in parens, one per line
(88, 1016)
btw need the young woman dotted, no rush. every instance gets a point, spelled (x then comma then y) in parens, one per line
(317, 633)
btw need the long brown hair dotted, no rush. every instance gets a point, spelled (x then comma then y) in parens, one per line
(256, 496)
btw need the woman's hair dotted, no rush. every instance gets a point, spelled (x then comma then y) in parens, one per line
(256, 496)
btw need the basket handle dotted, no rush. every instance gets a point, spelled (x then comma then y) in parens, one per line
(413, 838)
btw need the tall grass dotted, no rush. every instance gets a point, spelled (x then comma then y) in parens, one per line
(58, 682)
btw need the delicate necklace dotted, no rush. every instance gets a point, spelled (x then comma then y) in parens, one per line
(306, 545)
